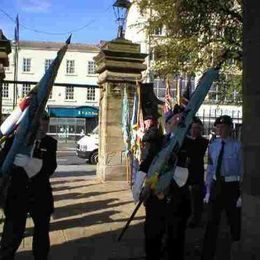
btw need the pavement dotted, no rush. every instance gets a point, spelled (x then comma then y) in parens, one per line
(88, 218)
(89, 215)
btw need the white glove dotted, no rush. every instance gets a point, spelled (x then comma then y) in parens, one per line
(181, 175)
(21, 160)
(206, 198)
(138, 184)
(33, 167)
(239, 202)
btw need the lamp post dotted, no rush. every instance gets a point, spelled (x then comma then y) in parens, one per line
(121, 9)
(5, 49)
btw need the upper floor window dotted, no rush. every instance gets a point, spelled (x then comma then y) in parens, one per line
(25, 89)
(7, 69)
(5, 90)
(47, 63)
(70, 67)
(50, 96)
(91, 67)
(91, 94)
(158, 31)
(69, 93)
(27, 64)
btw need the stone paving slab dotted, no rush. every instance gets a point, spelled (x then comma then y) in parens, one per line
(88, 218)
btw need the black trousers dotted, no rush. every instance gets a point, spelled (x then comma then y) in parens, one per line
(166, 219)
(196, 191)
(223, 197)
(13, 231)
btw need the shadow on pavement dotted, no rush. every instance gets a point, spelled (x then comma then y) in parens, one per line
(88, 219)
(77, 195)
(75, 174)
(99, 247)
(66, 181)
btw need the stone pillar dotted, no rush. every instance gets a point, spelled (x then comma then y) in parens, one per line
(119, 64)
(249, 246)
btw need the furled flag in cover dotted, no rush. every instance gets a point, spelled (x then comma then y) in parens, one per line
(28, 126)
(137, 123)
(17, 31)
(178, 90)
(185, 98)
(125, 120)
(13, 120)
(168, 99)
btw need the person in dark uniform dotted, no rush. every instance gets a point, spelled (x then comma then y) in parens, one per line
(224, 174)
(29, 191)
(167, 215)
(151, 143)
(198, 146)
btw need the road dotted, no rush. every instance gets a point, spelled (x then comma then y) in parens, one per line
(70, 165)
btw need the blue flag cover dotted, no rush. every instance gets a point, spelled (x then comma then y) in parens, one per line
(160, 172)
(38, 96)
(125, 118)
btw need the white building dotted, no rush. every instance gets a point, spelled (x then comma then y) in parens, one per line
(73, 108)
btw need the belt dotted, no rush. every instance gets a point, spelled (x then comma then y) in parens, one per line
(228, 178)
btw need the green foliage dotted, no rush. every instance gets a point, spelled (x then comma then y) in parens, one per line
(197, 34)
(230, 89)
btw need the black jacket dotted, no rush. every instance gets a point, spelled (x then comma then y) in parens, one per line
(151, 142)
(36, 192)
(177, 200)
(197, 149)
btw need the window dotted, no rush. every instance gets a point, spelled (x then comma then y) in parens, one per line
(7, 69)
(91, 67)
(159, 88)
(69, 93)
(158, 31)
(5, 90)
(70, 67)
(213, 94)
(151, 55)
(91, 94)
(26, 65)
(50, 96)
(47, 63)
(155, 54)
(25, 89)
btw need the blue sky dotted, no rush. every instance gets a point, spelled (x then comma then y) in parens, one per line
(57, 18)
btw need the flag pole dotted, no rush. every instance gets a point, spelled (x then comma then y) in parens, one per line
(16, 46)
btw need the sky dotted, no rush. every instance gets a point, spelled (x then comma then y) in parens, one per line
(90, 21)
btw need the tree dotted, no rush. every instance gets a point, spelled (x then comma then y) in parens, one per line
(197, 33)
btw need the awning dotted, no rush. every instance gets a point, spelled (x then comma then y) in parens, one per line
(73, 112)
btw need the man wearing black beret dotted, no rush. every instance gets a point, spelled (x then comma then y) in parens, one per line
(224, 173)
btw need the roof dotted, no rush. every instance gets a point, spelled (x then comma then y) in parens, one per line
(58, 45)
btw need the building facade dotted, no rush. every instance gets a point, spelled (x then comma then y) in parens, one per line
(210, 109)
(73, 102)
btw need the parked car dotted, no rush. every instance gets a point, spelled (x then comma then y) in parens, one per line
(87, 146)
